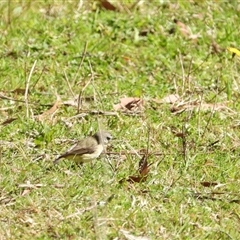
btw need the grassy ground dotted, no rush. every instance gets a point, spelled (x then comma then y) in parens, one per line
(56, 50)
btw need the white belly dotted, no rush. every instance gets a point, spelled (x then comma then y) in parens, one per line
(87, 157)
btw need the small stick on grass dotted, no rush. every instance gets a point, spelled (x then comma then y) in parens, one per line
(134, 152)
(183, 73)
(212, 112)
(27, 88)
(83, 89)
(80, 65)
(188, 74)
(69, 86)
(43, 69)
(92, 79)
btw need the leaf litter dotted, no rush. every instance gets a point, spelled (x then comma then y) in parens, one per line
(131, 104)
(186, 31)
(49, 114)
(143, 170)
(179, 105)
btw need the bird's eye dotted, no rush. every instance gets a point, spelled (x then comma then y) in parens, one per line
(109, 138)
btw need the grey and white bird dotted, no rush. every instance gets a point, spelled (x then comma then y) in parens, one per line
(87, 149)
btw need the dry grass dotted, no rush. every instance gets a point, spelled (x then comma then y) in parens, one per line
(64, 68)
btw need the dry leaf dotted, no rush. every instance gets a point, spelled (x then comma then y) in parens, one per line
(143, 170)
(215, 48)
(50, 112)
(8, 121)
(186, 31)
(215, 107)
(183, 28)
(179, 105)
(135, 179)
(129, 103)
(19, 91)
(144, 166)
(178, 133)
(208, 184)
(199, 105)
(25, 192)
(107, 5)
(172, 98)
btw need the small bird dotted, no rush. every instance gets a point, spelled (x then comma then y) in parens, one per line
(87, 149)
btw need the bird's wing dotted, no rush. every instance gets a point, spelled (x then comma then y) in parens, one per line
(74, 152)
(78, 151)
(82, 147)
